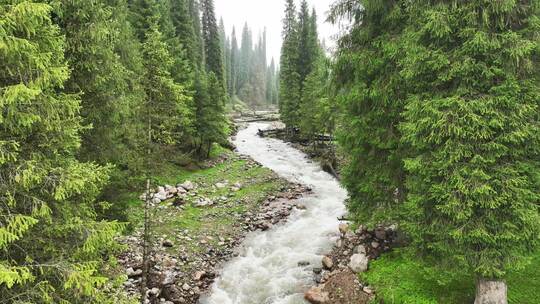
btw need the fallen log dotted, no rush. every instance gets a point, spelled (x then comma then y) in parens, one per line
(265, 133)
(248, 120)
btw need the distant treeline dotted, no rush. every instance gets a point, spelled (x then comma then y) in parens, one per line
(248, 75)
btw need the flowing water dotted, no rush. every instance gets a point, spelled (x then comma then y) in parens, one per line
(267, 271)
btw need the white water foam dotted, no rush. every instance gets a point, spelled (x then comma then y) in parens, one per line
(267, 271)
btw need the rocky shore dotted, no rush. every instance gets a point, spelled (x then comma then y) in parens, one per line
(337, 281)
(184, 263)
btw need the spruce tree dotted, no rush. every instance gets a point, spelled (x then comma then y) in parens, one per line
(198, 44)
(472, 121)
(317, 108)
(210, 113)
(244, 66)
(271, 94)
(233, 77)
(167, 101)
(226, 55)
(212, 45)
(289, 91)
(371, 94)
(92, 30)
(52, 248)
(306, 60)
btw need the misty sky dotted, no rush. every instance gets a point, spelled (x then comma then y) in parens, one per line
(269, 14)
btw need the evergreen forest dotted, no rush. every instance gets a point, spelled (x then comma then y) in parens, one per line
(150, 154)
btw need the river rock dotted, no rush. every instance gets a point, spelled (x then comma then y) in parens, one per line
(359, 263)
(161, 195)
(380, 233)
(167, 243)
(181, 190)
(343, 228)
(220, 185)
(199, 275)
(168, 278)
(327, 262)
(202, 202)
(133, 273)
(361, 249)
(316, 295)
(361, 229)
(368, 290)
(188, 185)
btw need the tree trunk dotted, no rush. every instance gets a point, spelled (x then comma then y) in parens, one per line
(491, 292)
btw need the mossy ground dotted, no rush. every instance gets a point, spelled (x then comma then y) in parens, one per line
(399, 279)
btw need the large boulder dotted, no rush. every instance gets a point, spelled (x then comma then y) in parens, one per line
(359, 263)
(316, 295)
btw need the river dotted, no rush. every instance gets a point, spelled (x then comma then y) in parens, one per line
(267, 270)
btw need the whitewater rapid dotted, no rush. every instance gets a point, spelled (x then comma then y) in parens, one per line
(267, 271)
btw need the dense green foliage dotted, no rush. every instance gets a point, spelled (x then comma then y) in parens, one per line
(472, 122)
(371, 96)
(289, 89)
(87, 89)
(305, 74)
(51, 245)
(441, 126)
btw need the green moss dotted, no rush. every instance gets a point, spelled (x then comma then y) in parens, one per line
(400, 279)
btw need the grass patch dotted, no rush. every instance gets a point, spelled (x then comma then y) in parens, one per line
(209, 225)
(524, 285)
(399, 279)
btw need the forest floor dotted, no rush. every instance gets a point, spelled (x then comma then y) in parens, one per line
(191, 240)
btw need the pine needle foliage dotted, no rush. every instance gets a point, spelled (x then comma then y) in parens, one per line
(371, 94)
(52, 248)
(441, 122)
(472, 122)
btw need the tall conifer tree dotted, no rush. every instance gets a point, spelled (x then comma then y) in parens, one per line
(233, 77)
(289, 92)
(211, 120)
(371, 95)
(472, 121)
(212, 44)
